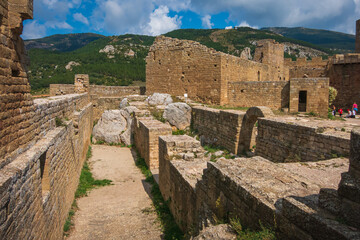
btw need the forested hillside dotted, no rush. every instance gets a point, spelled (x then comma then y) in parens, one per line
(120, 60)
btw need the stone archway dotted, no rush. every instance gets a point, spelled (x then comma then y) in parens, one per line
(249, 120)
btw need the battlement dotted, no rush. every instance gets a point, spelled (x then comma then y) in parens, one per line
(303, 62)
(346, 58)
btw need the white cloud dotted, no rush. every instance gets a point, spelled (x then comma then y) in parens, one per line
(59, 25)
(161, 23)
(228, 27)
(206, 22)
(33, 30)
(245, 24)
(81, 18)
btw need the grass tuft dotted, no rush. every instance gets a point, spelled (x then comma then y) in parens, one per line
(169, 226)
(86, 183)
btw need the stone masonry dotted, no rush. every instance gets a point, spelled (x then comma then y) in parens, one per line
(179, 66)
(357, 47)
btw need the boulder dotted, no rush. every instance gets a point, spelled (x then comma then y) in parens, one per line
(159, 99)
(110, 126)
(178, 115)
(246, 54)
(124, 103)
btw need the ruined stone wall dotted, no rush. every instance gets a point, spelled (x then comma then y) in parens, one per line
(16, 105)
(177, 67)
(37, 188)
(146, 139)
(180, 167)
(280, 141)
(115, 91)
(317, 90)
(274, 95)
(271, 53)
(315, 68)
(61, 89)
(344, 77)
(218, 127)
(357, 45)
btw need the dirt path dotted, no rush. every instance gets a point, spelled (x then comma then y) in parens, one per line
(119, 211)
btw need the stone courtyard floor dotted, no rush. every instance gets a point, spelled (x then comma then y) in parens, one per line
(120, 211)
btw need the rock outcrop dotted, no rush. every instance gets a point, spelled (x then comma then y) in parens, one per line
(110, 126)
(178, 115)
(159, 99)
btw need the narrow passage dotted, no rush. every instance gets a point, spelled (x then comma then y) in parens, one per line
(119, 211)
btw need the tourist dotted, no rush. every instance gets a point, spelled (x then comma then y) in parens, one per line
(341, 112)
(349, 113)
(334, 111)
(355, 107)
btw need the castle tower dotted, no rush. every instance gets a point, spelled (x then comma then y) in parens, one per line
(357, 46)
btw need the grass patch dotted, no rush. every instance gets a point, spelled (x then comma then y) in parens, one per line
(86, 183)
(247, 234)
(59, 122)
(158, 115)
(179, 132)
(169, 226)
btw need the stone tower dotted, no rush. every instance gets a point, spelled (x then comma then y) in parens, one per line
(357, 47)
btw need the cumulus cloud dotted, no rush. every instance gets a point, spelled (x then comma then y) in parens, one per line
(58, 25)
(34, 30)
(206, 22)
(320, 14)
(161, 23)
(245, 24)
(228, 27)
(81, 18)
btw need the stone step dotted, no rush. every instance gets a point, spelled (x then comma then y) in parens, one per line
(305, 213)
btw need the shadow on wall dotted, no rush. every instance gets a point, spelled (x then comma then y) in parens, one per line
(250, 118)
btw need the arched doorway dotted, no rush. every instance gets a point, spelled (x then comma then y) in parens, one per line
(249, 120)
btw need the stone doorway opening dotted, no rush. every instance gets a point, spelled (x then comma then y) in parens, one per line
(302, 101)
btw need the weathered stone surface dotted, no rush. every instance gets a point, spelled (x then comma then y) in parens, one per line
(219, 232)
(124, 103)
(110, 126)
(246, 54)
(159, 99)
(178, 115)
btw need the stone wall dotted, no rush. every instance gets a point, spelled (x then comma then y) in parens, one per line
(317, 95)
(357, 45)
(344, 77)
(61, 89)
(115, 91)
(218, 127)
(146, 138)
(180, 66)
(272, 53)
(179, 172)
(177, 67)
(15, 100)
(315, 68)
(37, 188)
(280, 141)
(274, 95)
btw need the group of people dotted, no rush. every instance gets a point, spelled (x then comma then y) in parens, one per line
(350, 113)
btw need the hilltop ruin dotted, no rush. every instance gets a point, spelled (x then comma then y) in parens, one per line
(303, 178)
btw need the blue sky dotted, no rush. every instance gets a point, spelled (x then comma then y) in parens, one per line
(155, 17)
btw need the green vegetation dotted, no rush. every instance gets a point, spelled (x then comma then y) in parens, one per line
(179, 132)
(210, 149)
(86, 183)
(247, 234)
(50, 55)
(170, 229)
(48, 67)
(158, 115)
(59, 122)
(323, 38)
(332, 95)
